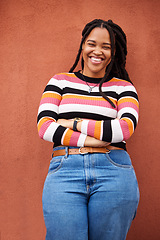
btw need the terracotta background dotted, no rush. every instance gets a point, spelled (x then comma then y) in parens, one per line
(39, 39)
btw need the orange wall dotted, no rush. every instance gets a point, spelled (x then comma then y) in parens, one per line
(39, 39)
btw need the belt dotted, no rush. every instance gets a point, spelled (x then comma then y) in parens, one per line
(84, 150)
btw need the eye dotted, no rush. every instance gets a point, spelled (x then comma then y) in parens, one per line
(106, 47)
(91, 44)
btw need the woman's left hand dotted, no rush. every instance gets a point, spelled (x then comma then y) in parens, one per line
(66, 123)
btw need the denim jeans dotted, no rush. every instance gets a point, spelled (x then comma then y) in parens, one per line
(90, 197)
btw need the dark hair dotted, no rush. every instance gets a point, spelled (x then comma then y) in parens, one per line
(116, 67)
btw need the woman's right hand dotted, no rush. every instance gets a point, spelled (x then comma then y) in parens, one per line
(93, 142)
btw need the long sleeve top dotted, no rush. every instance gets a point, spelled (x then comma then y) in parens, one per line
(66, 96)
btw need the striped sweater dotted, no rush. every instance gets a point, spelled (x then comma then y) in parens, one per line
(66, 96)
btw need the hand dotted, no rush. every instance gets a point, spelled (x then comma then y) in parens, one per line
(93, 142)
(65, 123)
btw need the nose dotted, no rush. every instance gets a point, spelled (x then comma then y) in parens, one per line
(97, 50)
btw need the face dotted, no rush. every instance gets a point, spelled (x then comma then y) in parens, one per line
(96, 52)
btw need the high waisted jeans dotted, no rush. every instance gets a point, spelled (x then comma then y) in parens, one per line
(90, 197)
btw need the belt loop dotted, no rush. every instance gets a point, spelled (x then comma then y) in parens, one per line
(66, 149)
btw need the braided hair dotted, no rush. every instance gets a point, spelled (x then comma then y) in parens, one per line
(116, 67)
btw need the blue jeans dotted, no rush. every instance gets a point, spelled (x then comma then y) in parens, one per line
(90, 197)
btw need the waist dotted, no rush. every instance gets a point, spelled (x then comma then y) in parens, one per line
(82, 150)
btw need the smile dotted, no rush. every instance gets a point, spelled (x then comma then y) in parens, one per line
(96, 59)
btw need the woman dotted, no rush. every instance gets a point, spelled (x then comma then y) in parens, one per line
(91, 191)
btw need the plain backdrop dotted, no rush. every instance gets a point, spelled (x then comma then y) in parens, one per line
(39, 39)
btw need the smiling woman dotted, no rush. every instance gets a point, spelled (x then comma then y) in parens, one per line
(91, 191)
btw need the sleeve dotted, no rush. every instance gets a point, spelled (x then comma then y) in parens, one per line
(48, 128)
(122, 127)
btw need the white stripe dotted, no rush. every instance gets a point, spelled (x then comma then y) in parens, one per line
(48, 106)
(109, 88)
(124, 89)
(81, 140)
(101, 131)
(65, 83)
(55, 82)
(48, 136)
(62, 139)
(88, 109)
(117, 135)
(128, 110)
(84, 126)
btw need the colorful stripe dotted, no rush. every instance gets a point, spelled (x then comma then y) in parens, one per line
(66, 94)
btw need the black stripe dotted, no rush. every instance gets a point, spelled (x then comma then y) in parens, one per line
(94, 116)
(68, 90)
(107, 131)
(58, 135)
(52, 88)
(47, 113)
(128, 94)
(120, 145)
(131, 116)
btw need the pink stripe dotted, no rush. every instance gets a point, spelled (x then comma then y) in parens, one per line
(86, 102)
(125, 129)
(74, 139)
(74, 79)
(128, 104)
(44, 127)
(91, 128)
(71, 78)
(50, 100)
(117, 83)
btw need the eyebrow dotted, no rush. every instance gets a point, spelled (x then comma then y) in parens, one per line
(95, 42)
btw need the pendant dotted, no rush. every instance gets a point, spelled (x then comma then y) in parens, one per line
(90, 90)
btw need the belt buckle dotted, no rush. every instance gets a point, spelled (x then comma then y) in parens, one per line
(81, 152)
(108, 151)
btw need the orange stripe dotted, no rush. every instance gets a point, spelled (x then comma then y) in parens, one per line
(117, 80)
(132, 100)
(67, 137)
(84, 97)
(43, 120)
(51, 95)
(97, 133)
(130, 125)
(67, 74)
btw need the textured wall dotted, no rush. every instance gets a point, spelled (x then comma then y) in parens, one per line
(38, 39)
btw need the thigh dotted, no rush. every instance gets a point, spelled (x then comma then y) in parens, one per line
(64, 201)
(114, 197)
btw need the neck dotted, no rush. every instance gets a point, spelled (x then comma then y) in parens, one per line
(92, 74)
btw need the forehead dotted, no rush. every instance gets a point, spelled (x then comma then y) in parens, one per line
(99, 34)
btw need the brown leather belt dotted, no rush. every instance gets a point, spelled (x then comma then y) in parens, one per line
(84, 150)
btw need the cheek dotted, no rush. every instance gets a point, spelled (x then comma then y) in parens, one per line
(85, 54)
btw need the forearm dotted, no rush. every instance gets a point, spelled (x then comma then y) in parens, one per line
(89, 141)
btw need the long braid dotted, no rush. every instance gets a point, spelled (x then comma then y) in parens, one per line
(108, 69)
(116, 67)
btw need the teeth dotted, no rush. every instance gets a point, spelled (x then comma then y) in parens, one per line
(96, 59)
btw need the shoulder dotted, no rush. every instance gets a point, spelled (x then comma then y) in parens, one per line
(64, 76)
(120, 82)
(60, 78)
(122, 85)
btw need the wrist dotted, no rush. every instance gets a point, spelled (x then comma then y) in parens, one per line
(75, 123)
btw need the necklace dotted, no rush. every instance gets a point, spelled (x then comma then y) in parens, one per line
(90, 88)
